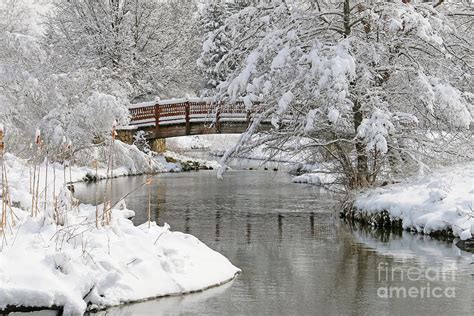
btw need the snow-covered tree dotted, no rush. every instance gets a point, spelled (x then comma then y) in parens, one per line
(20, 59)
(141, 142)
(372, 84)
(13, 14)
(72, 74)
(217, 41)
(79, 105)
(131, 41)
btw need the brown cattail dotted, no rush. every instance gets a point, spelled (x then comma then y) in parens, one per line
(38, 138)
(2, 144)
(114, 126)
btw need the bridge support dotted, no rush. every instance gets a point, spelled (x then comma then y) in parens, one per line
(158, 145)
(126, 136)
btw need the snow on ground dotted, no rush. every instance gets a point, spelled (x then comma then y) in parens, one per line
(60, 258)
(210, 142)
(440, 201)
(218, 144)
(210, 164)
(316, 178)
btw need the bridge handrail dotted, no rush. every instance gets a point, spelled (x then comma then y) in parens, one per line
(162, 111)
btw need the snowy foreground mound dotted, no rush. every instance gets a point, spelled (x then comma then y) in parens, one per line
(60, 258)
(106, 266)
(440, 201)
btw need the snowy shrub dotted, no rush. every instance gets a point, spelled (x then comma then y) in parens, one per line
(141, 142)
(134, 160)
(387, 91)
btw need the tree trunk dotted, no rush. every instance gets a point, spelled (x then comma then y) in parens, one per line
(347, 18)
(361, 178)
(362, 161)
(115, 7)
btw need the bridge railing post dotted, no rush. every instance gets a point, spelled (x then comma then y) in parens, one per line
(186, 113)
(157, 119)
(218, 117)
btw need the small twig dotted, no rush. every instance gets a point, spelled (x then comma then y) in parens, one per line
(158, 238)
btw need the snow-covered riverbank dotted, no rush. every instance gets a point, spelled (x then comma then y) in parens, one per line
(439, 202)
(217, 145)
(60, 258)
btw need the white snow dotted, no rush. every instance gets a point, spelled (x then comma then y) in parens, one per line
(333, 115)
(218, 144)
(212, 164)
(240, 82)
(465, 234)
(213, 143)
(141, 105)
(75, 263)
(188, 142)
(430, 203)
(267, 87)
(280, 59)
(452, 105)
(376, 130)
(282, 107)
(316, 178)
(310, 120)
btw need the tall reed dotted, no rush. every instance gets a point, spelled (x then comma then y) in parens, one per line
(3, 220)
(36, 173)
(6, 200)
(148, 183)
(109, 178)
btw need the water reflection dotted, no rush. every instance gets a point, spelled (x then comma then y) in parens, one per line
(296, 256)
(167, 305)
(249, 229)
(187, 219)
(218, 226)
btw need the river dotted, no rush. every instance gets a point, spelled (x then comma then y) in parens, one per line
(297, 257)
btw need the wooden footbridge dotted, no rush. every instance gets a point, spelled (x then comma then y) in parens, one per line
(163, 119)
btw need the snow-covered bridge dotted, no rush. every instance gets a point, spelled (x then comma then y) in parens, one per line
(188, 116)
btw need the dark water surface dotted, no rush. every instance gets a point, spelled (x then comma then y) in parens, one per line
(297, 257)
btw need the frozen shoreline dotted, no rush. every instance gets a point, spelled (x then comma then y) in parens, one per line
(437, 203)
(59, 258)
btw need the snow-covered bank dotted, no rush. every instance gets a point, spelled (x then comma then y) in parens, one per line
(49, 265)
(186, 162)
(210, 142)
(218, 144)
(128, 160)
(430, 204)
(293, 161)
(320, 178)
(61, 258)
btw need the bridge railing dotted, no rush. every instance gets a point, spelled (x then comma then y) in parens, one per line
(184, 111)
(144, 115)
